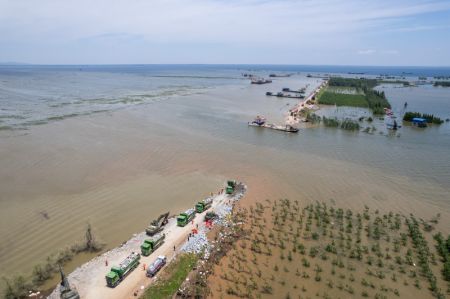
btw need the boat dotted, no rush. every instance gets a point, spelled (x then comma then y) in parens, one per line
(287, 128)
(279, 75)
(259, 121)
(260, 81)
(284, 95)
(301, 91)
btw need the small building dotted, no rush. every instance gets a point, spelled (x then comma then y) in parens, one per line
(420, 122)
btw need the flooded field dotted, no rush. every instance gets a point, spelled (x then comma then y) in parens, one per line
(322, 250)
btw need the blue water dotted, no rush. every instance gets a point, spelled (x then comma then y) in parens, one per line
(38, 94)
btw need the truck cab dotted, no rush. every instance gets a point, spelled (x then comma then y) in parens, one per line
(184, 218)
(146, 247)
(203, 205)
(199, 207)
(113, 277)
(150, 245)
(118, 273)
(156, 266)
(230, 187)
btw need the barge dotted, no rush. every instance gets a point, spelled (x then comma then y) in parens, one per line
(260, 81)
(283, 95)
(261, 122)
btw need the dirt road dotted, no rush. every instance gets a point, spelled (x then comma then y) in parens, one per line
(89, 279)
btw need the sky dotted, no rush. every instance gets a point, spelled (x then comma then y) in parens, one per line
(323, 32)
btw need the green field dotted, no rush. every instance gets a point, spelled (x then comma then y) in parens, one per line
(355, 93)
(341, 99)
(344, 90)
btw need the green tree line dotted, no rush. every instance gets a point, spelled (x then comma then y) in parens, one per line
(430, 118)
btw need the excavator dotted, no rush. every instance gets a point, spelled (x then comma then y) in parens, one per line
(157, 225)
(66, 292)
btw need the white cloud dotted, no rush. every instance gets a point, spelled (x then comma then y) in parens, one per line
(251, 24)
(201, 19)
(366, 52)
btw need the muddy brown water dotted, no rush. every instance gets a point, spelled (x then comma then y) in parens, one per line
(119, 170)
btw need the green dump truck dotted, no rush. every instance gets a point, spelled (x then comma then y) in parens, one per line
(118, 273)
(231, 185)
(150, 245)
(185, 217)
(203, 205)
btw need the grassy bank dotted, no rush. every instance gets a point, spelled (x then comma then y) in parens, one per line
(172, 278)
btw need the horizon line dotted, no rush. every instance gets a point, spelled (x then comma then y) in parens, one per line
(221, 64)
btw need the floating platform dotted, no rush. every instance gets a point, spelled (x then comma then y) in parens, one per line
(288, 129)
(261, 81)
(283, 95)
(301, 91)
(280, 75)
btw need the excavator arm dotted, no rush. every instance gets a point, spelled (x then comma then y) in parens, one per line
(162, 220)
(157, 224)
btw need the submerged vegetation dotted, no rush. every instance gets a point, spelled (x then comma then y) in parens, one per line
(333, 122)
(18, 286)
(443, 248)
(346, 124)
(329, 252)
(312, 117)
(430, 118)
(365, 95)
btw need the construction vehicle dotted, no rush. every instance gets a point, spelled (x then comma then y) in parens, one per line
(65, 290)
(118, 273)
(210, 216)
(150, 245)
(203, 205)
(185, 217)
(156, 266)
(231, 185)
(157, 225)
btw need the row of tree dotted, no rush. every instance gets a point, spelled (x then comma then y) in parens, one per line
(443, 247)
(346, 124)
(430, 118)
(442, 83)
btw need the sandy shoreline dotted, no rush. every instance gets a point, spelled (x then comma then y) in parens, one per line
(293, 116)
(89, 278)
